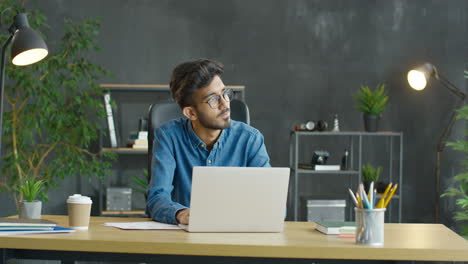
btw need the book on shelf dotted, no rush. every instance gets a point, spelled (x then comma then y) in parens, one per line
(133, 135)
(131, 142)
(333, 228)
(140, 146)
(18, 222)
(56, 229)
(111, 124)
(327, 167)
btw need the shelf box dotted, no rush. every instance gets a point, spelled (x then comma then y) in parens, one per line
(118, 199)
(326, 210)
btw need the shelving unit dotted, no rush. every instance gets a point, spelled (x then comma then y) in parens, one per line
(296, 171)
(239, 92)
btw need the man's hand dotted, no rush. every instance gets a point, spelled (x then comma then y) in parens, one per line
(183, 216)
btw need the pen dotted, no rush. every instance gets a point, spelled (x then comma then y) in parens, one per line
(353, 197)
(390, 195)
(374, 198)
(370, 195)
(365, 202)
(381, 202)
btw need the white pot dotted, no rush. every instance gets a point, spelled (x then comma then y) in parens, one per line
(30, 210)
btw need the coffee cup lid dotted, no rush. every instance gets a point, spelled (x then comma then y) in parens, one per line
(78, 198)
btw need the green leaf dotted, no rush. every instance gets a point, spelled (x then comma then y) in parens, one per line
(371, 102)
(58, 118)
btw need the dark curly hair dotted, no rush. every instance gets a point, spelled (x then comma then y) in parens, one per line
(191, 76)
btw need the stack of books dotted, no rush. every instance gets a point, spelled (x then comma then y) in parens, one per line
(16, 226)
(138, 140)
(337, 228)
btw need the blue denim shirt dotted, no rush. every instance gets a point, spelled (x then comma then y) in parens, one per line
(177, 149)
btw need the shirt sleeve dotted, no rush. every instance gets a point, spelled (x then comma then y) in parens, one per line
(159, 205)
(257, 156)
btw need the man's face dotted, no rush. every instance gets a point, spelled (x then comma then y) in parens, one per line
(211, 107)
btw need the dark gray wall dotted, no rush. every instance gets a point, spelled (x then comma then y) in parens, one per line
(300, 60)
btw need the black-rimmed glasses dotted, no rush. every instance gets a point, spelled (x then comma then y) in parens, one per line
(215, 100)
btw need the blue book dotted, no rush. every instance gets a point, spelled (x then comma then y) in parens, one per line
(29, 228)
(56, 229)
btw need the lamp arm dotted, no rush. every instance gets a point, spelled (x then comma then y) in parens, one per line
(440, 148)
(445, 82)
(443, 138)
(2, 88)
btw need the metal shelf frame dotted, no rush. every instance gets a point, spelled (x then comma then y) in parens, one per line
(296, 171)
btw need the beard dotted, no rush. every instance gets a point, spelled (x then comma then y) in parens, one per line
(214, 123)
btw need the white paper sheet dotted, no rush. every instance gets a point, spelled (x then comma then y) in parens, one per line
(147, 225)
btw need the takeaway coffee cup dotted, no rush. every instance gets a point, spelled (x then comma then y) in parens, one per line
(79, 211)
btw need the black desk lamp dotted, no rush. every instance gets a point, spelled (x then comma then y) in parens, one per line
(418, 78)
(27, 48)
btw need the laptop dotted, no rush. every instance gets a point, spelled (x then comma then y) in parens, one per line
(238, 199)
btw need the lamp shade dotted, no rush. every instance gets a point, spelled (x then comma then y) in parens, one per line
(27, 47)
(419, 76)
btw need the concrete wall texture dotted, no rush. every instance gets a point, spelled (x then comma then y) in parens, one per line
(300, 60)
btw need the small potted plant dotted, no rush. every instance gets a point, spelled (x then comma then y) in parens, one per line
(32, 189)
(371, 104)
(370, 174)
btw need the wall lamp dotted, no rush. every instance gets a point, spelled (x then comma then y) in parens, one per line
(418, 79)
(27, 48)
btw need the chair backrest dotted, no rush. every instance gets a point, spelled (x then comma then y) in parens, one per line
(162, 112)
(240, 111)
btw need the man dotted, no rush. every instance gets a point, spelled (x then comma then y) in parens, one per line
(206, 136)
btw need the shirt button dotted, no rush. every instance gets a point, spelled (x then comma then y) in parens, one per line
(209, 161)
(202, 145)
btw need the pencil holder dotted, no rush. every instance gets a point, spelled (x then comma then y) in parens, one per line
(370, 226)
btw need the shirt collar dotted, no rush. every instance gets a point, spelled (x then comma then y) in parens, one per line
(197, 142)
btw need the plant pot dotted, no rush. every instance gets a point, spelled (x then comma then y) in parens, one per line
(30, 210)
(371, 122)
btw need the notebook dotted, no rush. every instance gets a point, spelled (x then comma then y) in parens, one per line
(56, 229)
(334, 228)
(238, 199)
(4, 221)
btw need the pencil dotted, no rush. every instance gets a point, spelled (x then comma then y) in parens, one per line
(359, 200)
(381, 202)
(390, 195)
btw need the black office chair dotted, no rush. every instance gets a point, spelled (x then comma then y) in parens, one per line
(167, 110)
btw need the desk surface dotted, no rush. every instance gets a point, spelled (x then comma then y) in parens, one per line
(433, 242)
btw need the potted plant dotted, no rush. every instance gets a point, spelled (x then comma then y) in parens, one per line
(141, 183)
(371, 104)
(370, 174)
(53, 110)
(460, 181)
(31, 189)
